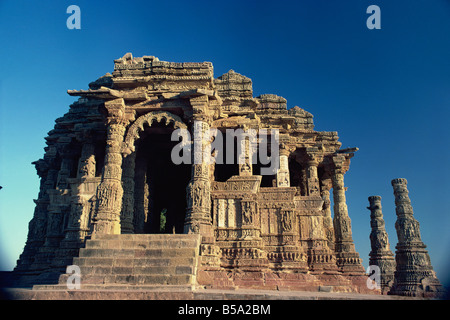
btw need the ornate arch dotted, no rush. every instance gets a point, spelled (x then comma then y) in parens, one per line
(138, 126)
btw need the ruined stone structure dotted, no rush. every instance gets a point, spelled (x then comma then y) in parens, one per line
(414, 275)
(107, 175)
(381, 254)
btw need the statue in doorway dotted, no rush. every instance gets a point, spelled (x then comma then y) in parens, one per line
(162, 220)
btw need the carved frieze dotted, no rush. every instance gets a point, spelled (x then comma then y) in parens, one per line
(277, 194)
(236, 184)
(230, 234)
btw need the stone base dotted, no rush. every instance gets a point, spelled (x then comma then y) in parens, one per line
(137, 262)
(427, 288)
(282, 281)
(195, 294)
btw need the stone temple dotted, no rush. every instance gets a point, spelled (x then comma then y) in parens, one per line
(107, 178)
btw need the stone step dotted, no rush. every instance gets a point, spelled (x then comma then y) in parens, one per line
(159, 236)
(133, 279)
(179, 269)
(136, 261)
(141, 244)
(96, 287)
(138, 253)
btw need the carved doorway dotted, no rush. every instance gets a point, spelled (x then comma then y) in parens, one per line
(159, 184)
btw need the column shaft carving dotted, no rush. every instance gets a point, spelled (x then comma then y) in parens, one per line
(381, 254)
(347, 258)
(283, 178)
(327, 219)
(245, 160)
(198, 192)
(198, 218)
(312, 176)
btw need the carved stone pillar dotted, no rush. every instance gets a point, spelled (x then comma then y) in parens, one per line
(311, 174)
(283, 178)
(414, 275)
(347, 258)
(198, 217)
(327, 219)
(109, 193)
(198, 192)
(381, 254)
(245, 159)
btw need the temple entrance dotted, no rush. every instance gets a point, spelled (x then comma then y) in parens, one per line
(160, 185)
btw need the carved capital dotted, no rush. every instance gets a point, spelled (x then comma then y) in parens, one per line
(313, 158)
(200, 110)
(340, 163)
(116, 112)
(285, 149)
(399, 181)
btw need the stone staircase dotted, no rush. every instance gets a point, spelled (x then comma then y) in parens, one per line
(136, 261)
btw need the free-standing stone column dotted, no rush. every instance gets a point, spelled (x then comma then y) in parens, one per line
(109, 192)
(347, 258)
(414, 275)
(381, 254)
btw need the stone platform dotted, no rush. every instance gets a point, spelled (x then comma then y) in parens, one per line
(161, 266)
(171, 293)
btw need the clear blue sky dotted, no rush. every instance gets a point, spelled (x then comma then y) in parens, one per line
(385, 91)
